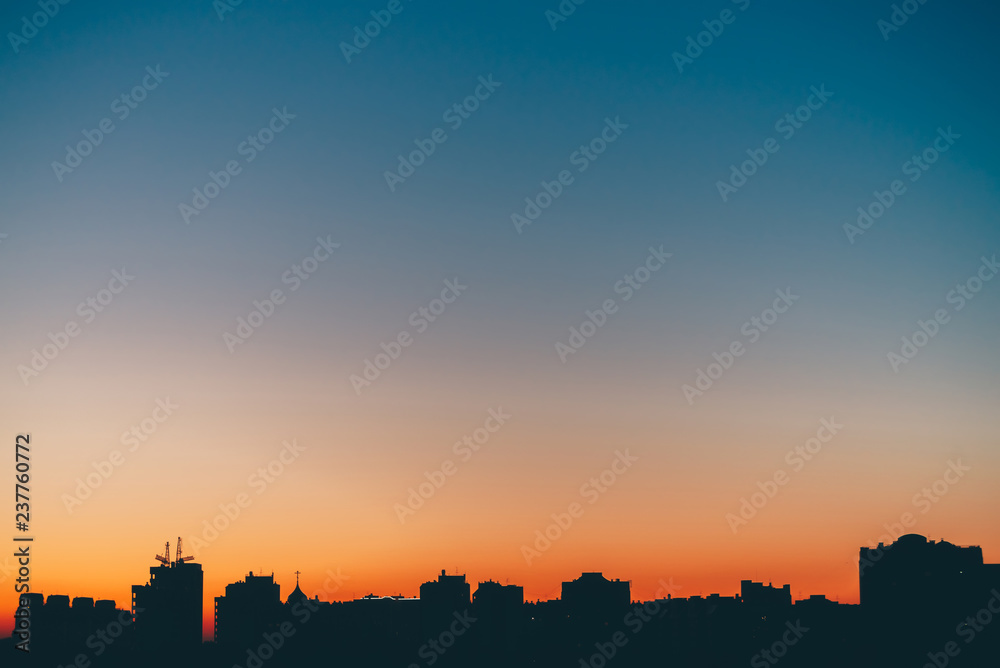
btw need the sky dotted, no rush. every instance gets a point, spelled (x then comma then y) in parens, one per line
(619, 241)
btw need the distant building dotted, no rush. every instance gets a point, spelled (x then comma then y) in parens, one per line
(759, 595)
(450, 591)
(914, 574)
(248, 609)
(297, 596)
(499, 610)
(594, 596)
(57, 625)
(440, 600)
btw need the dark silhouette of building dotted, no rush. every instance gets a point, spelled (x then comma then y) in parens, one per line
(248, 609)
(440, 600)
(168, 610)
(918, 574)
(916, 592)
(499, 611)
(297, 596)
(765, 597)
(922, 602)
(61, 630)
(592, 595)
(448, 591)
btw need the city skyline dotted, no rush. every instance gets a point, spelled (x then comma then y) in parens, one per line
(334, 587)
(919, 598)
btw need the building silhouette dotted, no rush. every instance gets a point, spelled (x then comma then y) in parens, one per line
(917, 596)
(499, 611)
(168, 609)
(61, 627)
(593, 596)
(249, 608)
(765, 597)
(440, 599)
(919, 575)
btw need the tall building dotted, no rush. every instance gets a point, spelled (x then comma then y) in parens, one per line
(168, 610)
(249, 608)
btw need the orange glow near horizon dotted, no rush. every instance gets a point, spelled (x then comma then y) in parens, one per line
(333, 506)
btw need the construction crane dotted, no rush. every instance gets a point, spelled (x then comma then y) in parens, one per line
(179, 557)
(165, 559)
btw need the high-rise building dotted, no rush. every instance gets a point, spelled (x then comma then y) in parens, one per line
(168, 610)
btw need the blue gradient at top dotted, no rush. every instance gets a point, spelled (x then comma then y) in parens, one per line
(657, 184)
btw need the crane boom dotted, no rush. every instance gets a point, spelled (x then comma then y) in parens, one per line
(165, 559)
(179, 557)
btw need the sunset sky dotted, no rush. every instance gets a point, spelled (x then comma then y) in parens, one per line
(383, 248)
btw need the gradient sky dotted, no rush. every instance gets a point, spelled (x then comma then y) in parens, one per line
(323, 176)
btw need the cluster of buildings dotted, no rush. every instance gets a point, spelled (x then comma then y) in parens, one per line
(914, 585)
